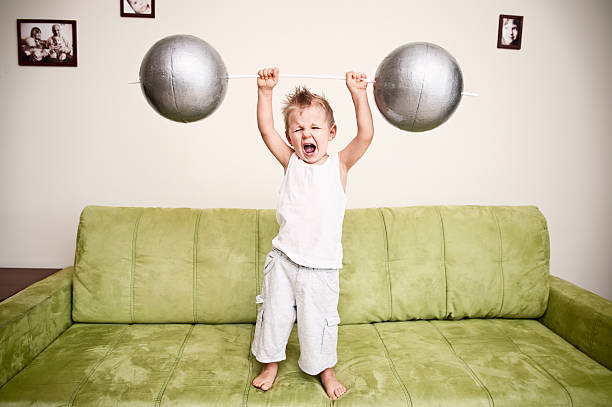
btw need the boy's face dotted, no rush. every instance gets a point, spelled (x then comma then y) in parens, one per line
(308, 132)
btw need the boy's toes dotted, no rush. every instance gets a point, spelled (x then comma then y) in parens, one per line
(335, 393)
(261, 384)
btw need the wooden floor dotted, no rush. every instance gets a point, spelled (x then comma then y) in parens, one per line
(13, 280)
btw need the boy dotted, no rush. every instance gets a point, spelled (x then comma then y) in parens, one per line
(301, 271)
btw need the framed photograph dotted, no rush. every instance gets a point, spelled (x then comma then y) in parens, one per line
(47, 42)
(138, 8)
(510, 32)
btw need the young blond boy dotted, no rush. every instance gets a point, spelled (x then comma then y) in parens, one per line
(301, 271)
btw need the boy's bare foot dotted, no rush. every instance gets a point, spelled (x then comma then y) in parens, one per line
(332, 386)
(266, 376)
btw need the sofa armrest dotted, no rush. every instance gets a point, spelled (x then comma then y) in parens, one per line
(31, 319)
(582, 318)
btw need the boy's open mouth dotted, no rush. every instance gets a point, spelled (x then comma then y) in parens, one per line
(309, 149)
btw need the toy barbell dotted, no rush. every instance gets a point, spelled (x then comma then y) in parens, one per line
(417, 87)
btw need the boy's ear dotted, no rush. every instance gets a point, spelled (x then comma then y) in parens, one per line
(288, 138)
(332, 132)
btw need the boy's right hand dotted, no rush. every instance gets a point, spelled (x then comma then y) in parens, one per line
(268, 78)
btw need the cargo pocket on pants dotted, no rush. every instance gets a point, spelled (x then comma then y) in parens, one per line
(330, 334)
(259, 300)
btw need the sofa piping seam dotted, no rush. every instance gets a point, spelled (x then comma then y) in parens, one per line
(79, 244)
(84, 380)
(132, 269)
(471, 372)
(567, 393)
(195, 268)
(29, 335)
(386, 240)
(546, 242)
(393, 369)
(545, 236)
(444, 263)
(593, 331)
(247, 388)
(160, 395)
(501, 260)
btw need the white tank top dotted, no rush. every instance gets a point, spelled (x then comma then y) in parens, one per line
(310, 213)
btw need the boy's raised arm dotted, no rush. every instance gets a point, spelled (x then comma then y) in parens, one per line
(356, 84)
(268, 78)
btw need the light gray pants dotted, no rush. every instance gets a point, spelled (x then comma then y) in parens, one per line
(311, 294)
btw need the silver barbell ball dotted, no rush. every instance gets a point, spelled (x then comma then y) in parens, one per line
(418, 86)
(183, 78)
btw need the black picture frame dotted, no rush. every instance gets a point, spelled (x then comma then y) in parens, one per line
(128, 8)
(45, 42)
(510, 31)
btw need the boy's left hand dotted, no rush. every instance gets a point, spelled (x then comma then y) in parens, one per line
(356, 82)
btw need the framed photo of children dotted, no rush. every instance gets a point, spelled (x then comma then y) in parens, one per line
(138, 8)
(47, 42)
(510, 32)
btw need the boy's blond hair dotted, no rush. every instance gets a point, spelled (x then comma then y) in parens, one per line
(301, 98)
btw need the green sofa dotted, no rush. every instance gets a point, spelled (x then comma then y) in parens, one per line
(439, 306)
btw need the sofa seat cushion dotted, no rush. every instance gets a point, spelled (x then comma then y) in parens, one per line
(492, 362)
(140, 364)
(419, 363)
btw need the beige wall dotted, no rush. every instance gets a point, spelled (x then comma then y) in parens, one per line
(539, 134)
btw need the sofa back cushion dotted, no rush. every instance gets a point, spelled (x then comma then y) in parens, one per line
(155, 265)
